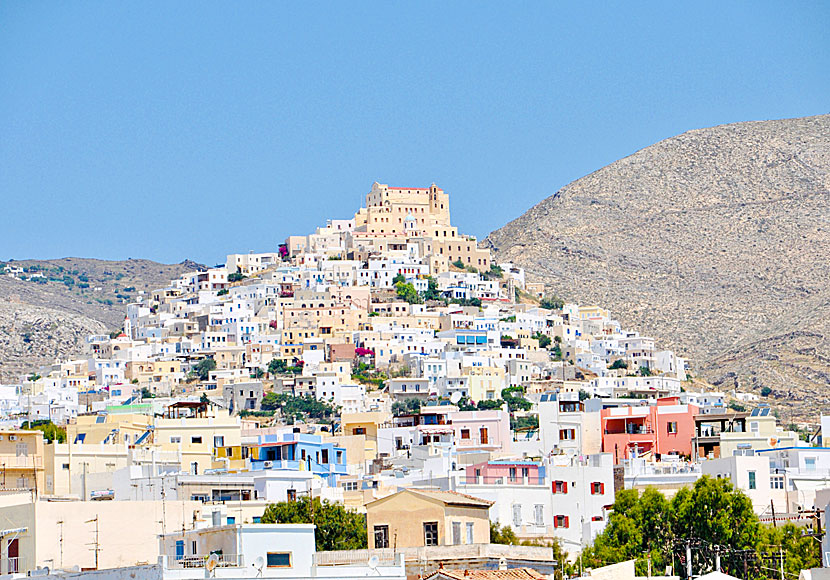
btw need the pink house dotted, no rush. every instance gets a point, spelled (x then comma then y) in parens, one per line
(485, 430)
(505, 472)
(667, 427)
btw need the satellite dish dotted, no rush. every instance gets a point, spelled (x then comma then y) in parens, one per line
(373, 562)
(258, 564)
(212, 562)
(455, 397)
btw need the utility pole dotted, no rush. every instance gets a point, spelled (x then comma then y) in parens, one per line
(781, 561)
(688, 560)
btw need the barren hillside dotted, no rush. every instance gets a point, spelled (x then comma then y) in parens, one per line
(715, 241)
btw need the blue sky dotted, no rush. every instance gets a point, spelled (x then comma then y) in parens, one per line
(176, 130)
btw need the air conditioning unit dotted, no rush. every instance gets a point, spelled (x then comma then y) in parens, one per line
(268, 464)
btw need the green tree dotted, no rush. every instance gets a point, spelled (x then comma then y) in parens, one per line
(458, 264)
(147, 393)
(337, 528)
(203, 368)
(399, 278)
(236, 277)
(544, 339)
(551, 303)
(406, 407)
(51, 432)
(502, 535)
(277, 366)
(766, 391)
(407, 291)
(257, 373)
(489, 404)
(618, 364)
(515, 400)
(432, 292)
(645, 372)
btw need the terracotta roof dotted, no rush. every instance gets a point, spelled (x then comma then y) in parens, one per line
(509, 574)
(453, 497)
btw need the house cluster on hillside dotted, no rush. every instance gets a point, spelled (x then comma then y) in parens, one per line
(383, 362)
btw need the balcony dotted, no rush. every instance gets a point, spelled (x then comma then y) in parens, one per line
(198, 561)
(11, 565)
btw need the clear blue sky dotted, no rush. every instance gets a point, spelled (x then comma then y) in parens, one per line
(177, 130)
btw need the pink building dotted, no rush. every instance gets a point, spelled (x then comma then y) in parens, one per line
(484, 430)
(667, 427)
(505, 472)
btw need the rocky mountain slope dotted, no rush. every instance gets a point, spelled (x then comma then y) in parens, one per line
(48, 310)
(716, 242)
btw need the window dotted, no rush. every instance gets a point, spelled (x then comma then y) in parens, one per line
(561, 522)
(470, 536)
(560, 487)
(517, 514)
(325, 453)
(291, 494)
(465, 433)
(671, 426)
(512, 474)
(539, 514)
(230, 520)
(753, 427)
(359, 430)
(193, 547)
(430, 533)
(278, 560)
(66, 466)
(219, 441)
(810, 463)
(456, 533)
(567, 434)
(597, 488)
(751, 479)
(381, 536)
(179, 549)
(776, 482)
(196, 439)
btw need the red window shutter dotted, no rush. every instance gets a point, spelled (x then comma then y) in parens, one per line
(602, 488)
(564, 487)
(567, 522)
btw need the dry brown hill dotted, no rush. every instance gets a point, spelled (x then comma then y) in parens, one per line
(49, 310)
(715, 241)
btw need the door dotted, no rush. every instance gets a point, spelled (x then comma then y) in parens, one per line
(484, 438)
(14, 556)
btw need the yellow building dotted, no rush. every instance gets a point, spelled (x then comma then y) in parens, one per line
(433, 518)
(79, 469)
(22, 460)
(484, 382)
(198, 433)
(94, 429)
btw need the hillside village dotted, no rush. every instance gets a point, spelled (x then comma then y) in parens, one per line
(383, 363)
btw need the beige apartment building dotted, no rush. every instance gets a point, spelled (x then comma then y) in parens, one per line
(22, 460)
(433, 518)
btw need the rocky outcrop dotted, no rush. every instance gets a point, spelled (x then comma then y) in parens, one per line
(715, 241)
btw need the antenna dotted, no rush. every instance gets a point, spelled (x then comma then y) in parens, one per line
(455, 397)
(258, 564)
(373, 563)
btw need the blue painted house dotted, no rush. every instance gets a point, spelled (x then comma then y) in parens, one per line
(299, 452)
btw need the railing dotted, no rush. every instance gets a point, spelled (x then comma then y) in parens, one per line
(11, 565)
(386, 556)
(532, 479)
(200, 561)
